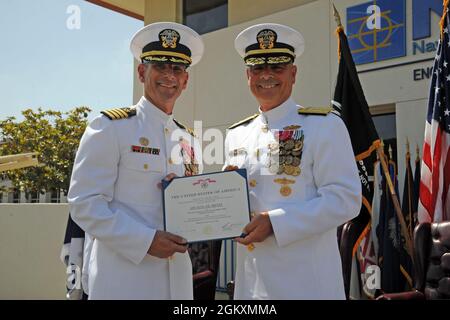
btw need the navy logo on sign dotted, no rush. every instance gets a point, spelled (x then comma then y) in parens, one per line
(376, 30)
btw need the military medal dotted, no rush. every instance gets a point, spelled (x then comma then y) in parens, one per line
(280, 170)
(290, 151)
(295, 161)
(144, 141)
(285, 189)
(273, 168)
(188, 156)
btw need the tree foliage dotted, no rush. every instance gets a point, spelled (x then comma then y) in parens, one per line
(54, 136)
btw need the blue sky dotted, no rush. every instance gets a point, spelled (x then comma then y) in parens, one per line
(45, 64)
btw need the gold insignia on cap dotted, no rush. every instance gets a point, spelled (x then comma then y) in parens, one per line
(169, 38)
(144, 141)
(266, 38)
(277, 60)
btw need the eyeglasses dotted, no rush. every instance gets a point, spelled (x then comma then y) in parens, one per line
(166, 67)
(275, 68)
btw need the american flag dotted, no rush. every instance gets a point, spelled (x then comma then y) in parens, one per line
(434, 204)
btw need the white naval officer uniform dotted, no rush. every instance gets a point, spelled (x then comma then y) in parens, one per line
(301, 259)
(114, 197)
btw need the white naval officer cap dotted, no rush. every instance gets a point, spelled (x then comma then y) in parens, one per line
(269, 43)
(167, 42)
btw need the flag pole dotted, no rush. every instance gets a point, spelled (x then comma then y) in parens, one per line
(395, 201)
(380, 152)
(417, 153)
(408, 166)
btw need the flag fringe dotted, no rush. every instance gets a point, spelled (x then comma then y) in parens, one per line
(369, 151)
(366, 229)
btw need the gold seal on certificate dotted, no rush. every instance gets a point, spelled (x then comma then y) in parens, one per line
(207, 207)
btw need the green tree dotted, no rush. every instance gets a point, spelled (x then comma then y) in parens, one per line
(54, 136)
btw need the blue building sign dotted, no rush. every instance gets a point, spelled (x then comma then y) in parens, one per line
(422, 17)
(378, 34)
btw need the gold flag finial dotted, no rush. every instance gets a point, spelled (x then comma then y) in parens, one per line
(390, 152)
(337, 17)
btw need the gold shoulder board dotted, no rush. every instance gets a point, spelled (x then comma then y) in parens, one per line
(182, 126)
(315, 111)
(245, 121)
(119, 113)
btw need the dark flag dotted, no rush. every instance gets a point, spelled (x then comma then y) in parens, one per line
(434, 202)
(72, 254)
(350, 102)
(408, 195)
(391, 254)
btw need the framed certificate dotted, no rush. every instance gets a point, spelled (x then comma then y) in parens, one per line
(209, 206)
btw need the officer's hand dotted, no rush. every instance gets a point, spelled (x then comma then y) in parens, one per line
(165, 244)
(230, 168)
(168, 178)
(257, 230)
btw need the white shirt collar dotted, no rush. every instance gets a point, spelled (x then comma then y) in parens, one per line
(153, 112)
(283, 110)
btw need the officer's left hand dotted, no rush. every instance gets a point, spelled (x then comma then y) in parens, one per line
(257, 230)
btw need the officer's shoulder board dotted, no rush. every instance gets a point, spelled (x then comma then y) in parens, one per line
(119, 113)
(182, 126)
(319, 111)
(242, 122)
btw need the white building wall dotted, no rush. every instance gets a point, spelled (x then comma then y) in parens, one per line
(31, 238)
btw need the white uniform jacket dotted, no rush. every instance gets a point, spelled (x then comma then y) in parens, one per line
(114, 197)
(301, 259)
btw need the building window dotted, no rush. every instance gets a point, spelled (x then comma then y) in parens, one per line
(1, 197)
(205, 15)
(387, 130)
(55, 196)
(15, 196)
(33, 197)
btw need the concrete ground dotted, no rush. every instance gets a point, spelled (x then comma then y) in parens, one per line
(221, 295)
